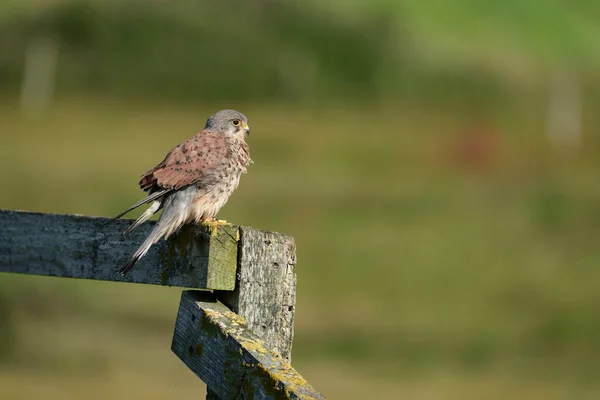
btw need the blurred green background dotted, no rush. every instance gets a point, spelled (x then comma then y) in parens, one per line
(436, 162)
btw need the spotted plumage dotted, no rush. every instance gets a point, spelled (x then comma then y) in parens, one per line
(195, 179)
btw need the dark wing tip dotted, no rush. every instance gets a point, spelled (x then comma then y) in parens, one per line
(110, 221)
(151, 197)
(128, 265)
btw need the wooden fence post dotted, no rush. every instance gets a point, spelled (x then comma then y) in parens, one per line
(265, 292)
(238, 339)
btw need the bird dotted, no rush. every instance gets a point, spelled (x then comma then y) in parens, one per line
(194, 181)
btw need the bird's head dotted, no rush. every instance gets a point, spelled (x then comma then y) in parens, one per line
(229, 122)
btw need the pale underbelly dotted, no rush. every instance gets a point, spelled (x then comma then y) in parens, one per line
(208, 202)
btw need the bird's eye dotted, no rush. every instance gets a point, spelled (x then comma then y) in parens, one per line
(236, 122)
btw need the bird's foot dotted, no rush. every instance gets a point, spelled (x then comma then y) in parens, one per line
(213, 225)
(214, 222)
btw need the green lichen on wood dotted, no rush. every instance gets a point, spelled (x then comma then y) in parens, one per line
(208, 326)
(208, 252)
(222, 256)
(277, 377)
(179, 246)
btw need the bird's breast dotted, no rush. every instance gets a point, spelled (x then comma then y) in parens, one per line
(209, 200)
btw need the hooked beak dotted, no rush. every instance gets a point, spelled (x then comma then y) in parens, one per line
(246, 129)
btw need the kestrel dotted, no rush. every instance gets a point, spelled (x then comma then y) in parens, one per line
(194, 180)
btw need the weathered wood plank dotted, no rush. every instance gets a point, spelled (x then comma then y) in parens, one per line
(265, 293)
(219, 347)
(76, 246)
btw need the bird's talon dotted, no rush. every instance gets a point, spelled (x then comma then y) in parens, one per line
(215, 222)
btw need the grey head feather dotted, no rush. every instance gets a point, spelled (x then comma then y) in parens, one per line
(221, 120)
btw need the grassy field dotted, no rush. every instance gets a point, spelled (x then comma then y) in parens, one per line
(435, 260)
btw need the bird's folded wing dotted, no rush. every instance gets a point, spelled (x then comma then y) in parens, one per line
(196, 161)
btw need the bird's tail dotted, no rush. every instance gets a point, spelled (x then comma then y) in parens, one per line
(151, 197)
(157, 205)
(176, 210)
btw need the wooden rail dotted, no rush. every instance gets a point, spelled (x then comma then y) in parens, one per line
(238, 338)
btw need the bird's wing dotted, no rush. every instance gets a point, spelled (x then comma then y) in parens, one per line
(195, 161)
(153, 196)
